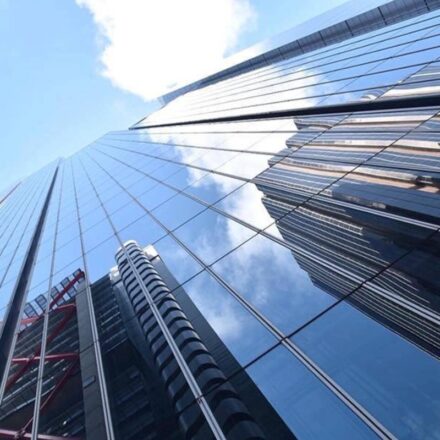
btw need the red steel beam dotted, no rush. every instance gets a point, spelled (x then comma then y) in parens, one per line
(57, 297)
(71, 283)
(61, 308)
(49, 357)
(74, 357)
(30, 320)
(55, 332)
(59, 385)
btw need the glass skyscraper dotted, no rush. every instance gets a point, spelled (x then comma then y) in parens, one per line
(258, 259)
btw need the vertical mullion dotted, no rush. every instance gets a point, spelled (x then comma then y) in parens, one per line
(97, 350)
(11, 323)
(40, 373)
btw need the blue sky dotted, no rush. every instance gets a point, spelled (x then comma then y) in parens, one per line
(74, 69)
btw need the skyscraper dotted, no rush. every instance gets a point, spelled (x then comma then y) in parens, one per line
(257, 259)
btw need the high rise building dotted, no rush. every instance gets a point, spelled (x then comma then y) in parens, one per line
(258, 259)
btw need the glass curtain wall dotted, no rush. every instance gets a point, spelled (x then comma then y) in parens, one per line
(309, 244)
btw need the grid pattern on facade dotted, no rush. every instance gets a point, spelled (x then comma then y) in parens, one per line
(309, 244)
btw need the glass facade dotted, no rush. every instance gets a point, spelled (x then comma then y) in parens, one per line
(223, 271)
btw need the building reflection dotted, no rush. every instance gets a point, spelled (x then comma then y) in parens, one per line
(368, 189)
(149, 393)
(61, 399)
(196, 359)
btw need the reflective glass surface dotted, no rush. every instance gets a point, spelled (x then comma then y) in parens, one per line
(269, 277)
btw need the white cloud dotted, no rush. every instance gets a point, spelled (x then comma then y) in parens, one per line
(149, 47)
